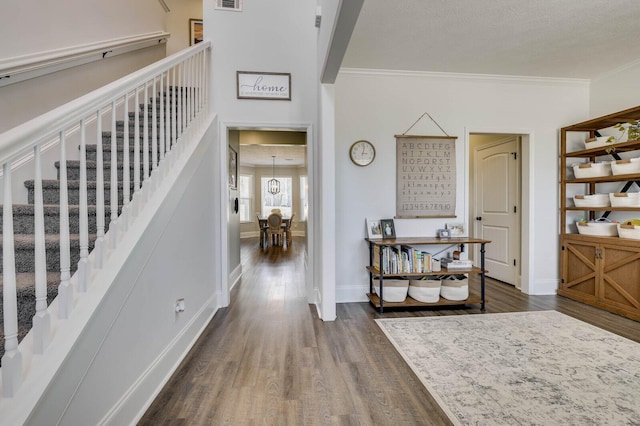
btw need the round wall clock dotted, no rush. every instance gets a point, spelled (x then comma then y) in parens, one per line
(362, 153)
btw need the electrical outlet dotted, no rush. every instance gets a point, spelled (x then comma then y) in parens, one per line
(180, 305)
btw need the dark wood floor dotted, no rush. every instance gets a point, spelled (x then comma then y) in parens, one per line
(268, 359)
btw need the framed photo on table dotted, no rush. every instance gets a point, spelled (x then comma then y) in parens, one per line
(456, 228)
(388, 228)
(374, 231)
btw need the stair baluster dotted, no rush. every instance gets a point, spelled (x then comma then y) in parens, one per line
(42, 318)
(84, 267)
(113, 224)
(162, 114)
(126, 178)
(174, 109)
(188, 89)
(136, 155)
(99, 243)
(154, 132)
(179, 93)
(145, 141)
(65, 290)
(12, 358)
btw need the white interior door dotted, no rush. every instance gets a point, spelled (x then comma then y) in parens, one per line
(497, 208)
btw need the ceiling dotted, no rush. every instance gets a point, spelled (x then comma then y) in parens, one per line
(547, 38)
(261, 155)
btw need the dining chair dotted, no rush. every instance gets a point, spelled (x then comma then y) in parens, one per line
(263, 226)
(287, 227)
(274, 230)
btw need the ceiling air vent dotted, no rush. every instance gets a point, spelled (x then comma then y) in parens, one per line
(229, 5)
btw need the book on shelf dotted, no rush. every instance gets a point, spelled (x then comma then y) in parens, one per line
(450, 264)
(401, 260)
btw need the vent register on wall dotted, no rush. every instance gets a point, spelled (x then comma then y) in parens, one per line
(235, 5)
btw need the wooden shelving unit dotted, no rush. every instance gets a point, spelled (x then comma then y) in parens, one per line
(600, 271)
(374, 273)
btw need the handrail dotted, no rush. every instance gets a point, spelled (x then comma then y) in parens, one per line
(22, 139)
(17, 69)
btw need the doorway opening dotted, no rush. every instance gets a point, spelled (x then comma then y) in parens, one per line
(497, 203)
(264, 155)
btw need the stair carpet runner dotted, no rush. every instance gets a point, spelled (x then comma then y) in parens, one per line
(23, 218)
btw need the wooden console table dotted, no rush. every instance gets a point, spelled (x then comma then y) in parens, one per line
(374, 273)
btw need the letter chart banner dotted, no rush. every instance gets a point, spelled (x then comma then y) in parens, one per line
(425, 176)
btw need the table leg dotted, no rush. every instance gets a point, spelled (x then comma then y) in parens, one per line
(482, 275)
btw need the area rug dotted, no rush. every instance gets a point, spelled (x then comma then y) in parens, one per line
(525, 368)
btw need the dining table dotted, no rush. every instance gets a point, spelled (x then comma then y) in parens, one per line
(264, 227)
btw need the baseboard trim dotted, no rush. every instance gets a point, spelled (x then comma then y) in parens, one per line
(139, 397)
(544, 287)
(352, 294)
(235, 276)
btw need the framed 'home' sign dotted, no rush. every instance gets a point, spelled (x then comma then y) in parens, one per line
(264, 85)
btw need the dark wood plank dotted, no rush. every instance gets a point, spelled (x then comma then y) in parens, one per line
(268, 359)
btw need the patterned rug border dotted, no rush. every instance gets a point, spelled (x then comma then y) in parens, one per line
(432, 391)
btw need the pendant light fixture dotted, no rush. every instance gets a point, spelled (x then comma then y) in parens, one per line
(273, 184)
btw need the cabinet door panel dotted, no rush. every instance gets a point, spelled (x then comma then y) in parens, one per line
(621, 277)
(580, 269)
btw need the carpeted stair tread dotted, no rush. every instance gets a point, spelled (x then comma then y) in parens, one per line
(26, 300)
(106, 137)
(24, 245)
(92, 164)
(73, 169)
(50, 241)
(71, 184)
(25, 280)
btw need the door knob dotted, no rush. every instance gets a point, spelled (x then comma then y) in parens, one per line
(478, 217)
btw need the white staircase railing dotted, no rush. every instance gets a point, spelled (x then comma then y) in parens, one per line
(178, 86)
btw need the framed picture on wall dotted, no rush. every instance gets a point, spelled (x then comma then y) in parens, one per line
(195, 31)
(233, 168)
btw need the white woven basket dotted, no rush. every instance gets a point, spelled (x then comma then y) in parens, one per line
(588, 170)
(394, 290)
(624, 199)
(597, 142)
(601, 229)
(426, 291)
(593, 200)
(455, 288)
(628, 230)
(625, 167)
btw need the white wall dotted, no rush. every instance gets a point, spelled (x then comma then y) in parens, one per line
(177, 22)
(30, 27)
(30, 98)
(273, 36)
(377, 106)
(135, 339)
(616, 91)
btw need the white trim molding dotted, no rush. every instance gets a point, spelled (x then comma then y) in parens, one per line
(16, 69)
(467, 76)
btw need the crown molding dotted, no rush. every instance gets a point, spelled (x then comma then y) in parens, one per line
(467, 76)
